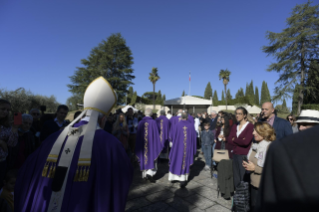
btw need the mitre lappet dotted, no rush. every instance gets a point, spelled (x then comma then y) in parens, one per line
(99, 99)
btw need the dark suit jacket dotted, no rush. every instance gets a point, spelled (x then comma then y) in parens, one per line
(282, 128)
(290, 174)
(49, 128)
(213, 124)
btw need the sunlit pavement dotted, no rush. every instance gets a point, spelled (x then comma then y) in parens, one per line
(200, 193)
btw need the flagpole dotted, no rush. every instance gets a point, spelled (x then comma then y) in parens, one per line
(189, 84)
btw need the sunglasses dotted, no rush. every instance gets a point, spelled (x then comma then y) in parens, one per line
(290, 119)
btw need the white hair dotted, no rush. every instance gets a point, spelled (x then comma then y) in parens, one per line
(213, 112)
(27, 117)
(162, 112)
(148, 112)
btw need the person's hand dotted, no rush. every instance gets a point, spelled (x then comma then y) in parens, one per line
(249, 166)
(215, 141)
(3, 145)
(223, 138)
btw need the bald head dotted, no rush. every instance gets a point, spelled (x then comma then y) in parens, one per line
(267, 110)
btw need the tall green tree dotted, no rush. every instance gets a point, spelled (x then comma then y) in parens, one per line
(208, 91)
(228, 95)
(240, 93)
(265, 95)
(223, 96)
(164, 98)
(130, 92)
(215, 98)
(224, 74)
(134, 98)
(295, 100)
(154, 78)
(159, 97)
(284, 106)
(256, 96)
(111, 59)
(250, 92)
(312, 84)
(183, 94)
(294, 48)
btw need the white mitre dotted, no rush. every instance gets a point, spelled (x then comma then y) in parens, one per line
(99, 98)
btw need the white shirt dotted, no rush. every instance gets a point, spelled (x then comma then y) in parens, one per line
(242, 129)
(196, 124)
(169, 116)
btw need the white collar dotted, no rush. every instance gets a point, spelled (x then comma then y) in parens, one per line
(242, 129)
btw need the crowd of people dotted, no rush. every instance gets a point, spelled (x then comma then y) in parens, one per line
(147, 138)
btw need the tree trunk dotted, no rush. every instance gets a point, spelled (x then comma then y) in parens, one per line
(225, 94)
(153, 96)
(302, 78)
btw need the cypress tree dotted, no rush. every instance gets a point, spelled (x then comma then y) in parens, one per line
(312, 84)
(229, 96)
(130, 92)
(134, 98)
(256, 96)
(284, 106)
(164, 98)
(268, 97)
(159, 98)
(215, 98)
(208, 91)
(183, 94)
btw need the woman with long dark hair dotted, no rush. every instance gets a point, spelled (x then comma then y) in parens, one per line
(240, 137)
(222, 133)
(8, 136)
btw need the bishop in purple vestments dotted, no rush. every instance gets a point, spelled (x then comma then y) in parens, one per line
(183, 151)
(174, 121)
(163, 125)
(148, 145)
(109, 178)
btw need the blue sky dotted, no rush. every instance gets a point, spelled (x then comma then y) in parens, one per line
(42, 42)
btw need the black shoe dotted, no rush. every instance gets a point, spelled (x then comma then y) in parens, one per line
(150, 178)
(183, 184)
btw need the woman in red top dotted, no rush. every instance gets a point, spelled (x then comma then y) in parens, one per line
(240, 137)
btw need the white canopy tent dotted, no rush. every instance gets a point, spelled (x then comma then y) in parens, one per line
(124, 109)
(253, 110)
(192, 104)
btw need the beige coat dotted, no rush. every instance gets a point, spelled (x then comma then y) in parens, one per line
(256, 175)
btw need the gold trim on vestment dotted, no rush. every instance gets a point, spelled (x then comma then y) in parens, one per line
(185, 147)
(146, 143)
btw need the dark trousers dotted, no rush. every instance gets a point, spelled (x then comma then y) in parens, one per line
(253, 197)
(238, 170)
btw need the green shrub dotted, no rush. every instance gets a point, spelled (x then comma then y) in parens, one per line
(310, 107)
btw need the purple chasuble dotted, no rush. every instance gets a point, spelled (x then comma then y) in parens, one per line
(191, 119)
(174, 121)
(107, 187)
(148, 144)
(163, 125)
(184, 148)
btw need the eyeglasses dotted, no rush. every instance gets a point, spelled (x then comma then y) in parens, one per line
(290, 119)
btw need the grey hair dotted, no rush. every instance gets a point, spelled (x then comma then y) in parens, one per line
(148, 112)
(34, 109)
(180, 111)
(213, 112)
(162, 112)
(184, 116)
(27, 117)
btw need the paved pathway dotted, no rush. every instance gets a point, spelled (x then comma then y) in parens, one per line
(200, 193)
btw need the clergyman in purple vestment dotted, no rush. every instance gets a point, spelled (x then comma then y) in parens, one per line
(183, 151)
(106, 188)
(174, 121)
(148, 145)
(163, 125)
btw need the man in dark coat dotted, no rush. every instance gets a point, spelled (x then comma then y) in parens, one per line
(282, 127)
(290, 174)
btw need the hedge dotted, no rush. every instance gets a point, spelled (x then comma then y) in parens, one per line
(310, 106)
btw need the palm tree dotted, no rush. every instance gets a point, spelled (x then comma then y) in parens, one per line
(154, 78)
(224, 74)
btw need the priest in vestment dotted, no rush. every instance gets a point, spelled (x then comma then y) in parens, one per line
(163, 125)
(174, 121)
(81, 168)
(148, 145)
(183, 151)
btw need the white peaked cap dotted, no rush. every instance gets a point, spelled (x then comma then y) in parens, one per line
(100, 96)
(308, 116)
